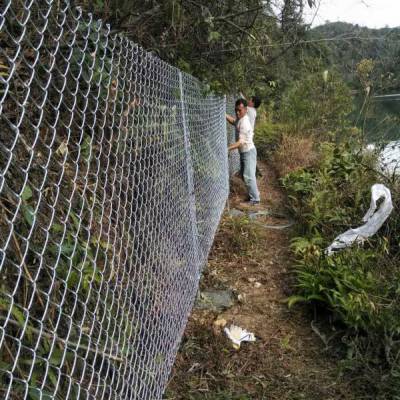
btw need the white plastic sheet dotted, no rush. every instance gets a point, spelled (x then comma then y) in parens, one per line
(373, 219)
(238, 335)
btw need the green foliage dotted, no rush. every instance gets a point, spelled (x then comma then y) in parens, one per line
(221, 395)
(364, 71)
(266, 137)
(345, 55)
(359, 285)
(317, 103)
(351, 285)
(368, 62)
(243, 236)
(334, 195)
(221, 42)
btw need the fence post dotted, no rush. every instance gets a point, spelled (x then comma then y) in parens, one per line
(227, 154)
(190, 176)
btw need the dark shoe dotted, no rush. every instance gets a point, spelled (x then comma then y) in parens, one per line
(253, 205)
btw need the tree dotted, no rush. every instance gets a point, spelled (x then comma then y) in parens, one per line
(228, 43)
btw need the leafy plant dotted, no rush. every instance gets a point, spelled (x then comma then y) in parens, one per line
(315, 104)
(358, 286)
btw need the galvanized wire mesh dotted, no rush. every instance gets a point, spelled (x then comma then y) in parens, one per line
(234, 156)
(113, 177)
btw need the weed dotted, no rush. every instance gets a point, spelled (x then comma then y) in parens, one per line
(359, 286)
(294, 152)
(266, 138)
(241, 235)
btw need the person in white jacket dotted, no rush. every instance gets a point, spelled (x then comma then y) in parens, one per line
(247, 150)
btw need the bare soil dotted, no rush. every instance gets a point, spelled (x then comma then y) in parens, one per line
(288, 360)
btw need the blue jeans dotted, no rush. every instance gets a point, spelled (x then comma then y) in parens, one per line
(248, 163)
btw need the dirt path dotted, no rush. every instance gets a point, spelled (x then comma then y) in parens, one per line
(288, 359)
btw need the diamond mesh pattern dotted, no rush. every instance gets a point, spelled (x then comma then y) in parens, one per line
(233, 156)
(113, 178)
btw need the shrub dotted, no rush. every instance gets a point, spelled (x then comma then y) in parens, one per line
(294, 152)
(266, 138)
(318, 103)
(359, 286)
(334, 194)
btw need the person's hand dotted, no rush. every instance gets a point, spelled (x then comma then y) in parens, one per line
(230, 119)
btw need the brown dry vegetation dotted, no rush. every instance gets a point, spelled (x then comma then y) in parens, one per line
(288, 359)
(293, 153)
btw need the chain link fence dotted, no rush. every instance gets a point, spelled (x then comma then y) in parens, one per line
(113, 178)
(233, 156)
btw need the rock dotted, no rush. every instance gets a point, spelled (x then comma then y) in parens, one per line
(251, 280)
(213, 299)
(236, 213)
(257, 285)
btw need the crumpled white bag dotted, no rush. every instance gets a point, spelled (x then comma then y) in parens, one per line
(238, 335)
(373, 219)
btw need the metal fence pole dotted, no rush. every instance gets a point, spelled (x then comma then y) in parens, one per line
(190, 175)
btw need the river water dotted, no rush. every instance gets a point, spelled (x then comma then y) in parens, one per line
(381, 126)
